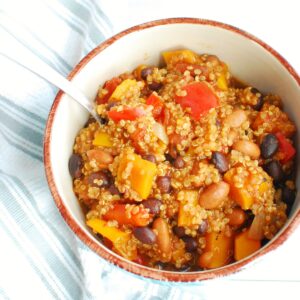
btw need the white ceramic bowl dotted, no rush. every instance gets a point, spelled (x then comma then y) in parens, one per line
(249, 59)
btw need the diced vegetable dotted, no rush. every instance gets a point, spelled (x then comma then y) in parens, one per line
(285, 148)
(123, 88)
(102, 158)
(157, 104)
(136, 137)
(180, 55)
(138, 70)
(126, 114)
(271, 120)
(240, 195)
(199, 99)
(220, 249)
(190, 199)
(256, 230)
(134, 215)
(109, 86)
(118, 237)
(141, 176)
(160, 132)
(244, 246)
(102, 139)
(222, 82)
(164, 241)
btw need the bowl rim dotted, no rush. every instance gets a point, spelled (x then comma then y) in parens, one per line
(102, 250)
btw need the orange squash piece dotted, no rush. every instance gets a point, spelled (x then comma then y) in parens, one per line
(184, 55)
(240, 195)
(138, 217)
(141, 176)
(118, 237)
(185, 218)
(244, 246)
(220, 249)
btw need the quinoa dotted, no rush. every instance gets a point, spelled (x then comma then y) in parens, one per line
(182, 111)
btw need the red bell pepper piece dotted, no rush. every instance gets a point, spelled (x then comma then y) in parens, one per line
(157, 104)
(285, 147)
(110, 86)
(199, 98)
(126, 114)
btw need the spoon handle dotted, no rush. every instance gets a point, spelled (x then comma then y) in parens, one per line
(44, 71)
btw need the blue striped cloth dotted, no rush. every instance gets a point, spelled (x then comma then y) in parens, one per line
(40, 257)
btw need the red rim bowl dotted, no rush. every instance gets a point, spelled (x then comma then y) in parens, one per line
(106, 253)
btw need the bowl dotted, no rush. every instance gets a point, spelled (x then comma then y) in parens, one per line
(249, 59)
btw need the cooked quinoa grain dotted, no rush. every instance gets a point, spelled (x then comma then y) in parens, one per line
(185, 162)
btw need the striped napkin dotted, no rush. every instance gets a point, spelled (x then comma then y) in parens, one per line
(40, 257)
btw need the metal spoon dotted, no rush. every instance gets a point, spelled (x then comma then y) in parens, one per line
(46, 72)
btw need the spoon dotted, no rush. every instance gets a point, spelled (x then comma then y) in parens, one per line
(46, 72)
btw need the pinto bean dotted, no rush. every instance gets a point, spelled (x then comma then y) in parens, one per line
(163, 236)
(213, 196)
(236, 119)
(247, 147)
(237, 217)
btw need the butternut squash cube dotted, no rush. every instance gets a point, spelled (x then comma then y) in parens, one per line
(244, 246)
(220, 247)
(141, 176)
(184, 55)
(190, 200)
(123, 88)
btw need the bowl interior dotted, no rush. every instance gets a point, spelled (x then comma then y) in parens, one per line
(246, 59)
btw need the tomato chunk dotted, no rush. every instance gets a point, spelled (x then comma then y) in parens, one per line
(157, 104)
(199, 98)
(285, 147)
(126, 114)
(110, 86)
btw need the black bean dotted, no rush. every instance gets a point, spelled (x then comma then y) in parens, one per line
(113, 190)
(145, 72)
(155, 86)
(101, 175)
(179, 163)
(203, 227)
(169, 158)
(190, 243)
(75, 165)
(172, 151)
(288, 195)
(220, 161)
(260, 100)
(103, 120)
(145, 235)
(161, 265)
(89, 121)
(153, 205)
(264, 242)
(274, 169)
(269, 145)
(184, 268)
(150, 157)
(164, 183)
(110, 105)
(179, 231)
